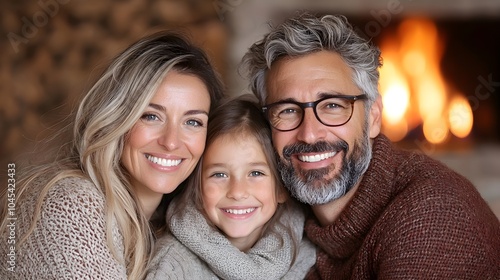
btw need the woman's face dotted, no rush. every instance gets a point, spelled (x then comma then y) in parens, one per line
(165, 144)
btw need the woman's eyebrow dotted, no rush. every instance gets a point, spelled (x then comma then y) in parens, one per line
(157, 107)
(164, 109)
(196, 112)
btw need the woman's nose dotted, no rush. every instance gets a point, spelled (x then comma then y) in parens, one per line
(170, 137)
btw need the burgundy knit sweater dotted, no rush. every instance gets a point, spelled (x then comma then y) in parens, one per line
(411, 218)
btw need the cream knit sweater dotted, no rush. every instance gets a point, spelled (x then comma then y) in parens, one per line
(68, 241)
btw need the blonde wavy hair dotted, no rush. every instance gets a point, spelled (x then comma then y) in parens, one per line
(104, 117)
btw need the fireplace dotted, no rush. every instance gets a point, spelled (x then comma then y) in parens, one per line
(440, 80)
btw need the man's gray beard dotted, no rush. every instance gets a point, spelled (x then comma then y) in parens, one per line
(310, 186)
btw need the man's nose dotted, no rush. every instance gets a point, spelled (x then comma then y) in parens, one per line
(311, 129)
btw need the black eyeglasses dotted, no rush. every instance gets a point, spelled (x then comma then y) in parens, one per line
(332, 110)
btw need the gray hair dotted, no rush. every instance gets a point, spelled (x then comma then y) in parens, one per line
(305, 34)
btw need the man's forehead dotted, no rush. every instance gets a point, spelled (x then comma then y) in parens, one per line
(308, 77)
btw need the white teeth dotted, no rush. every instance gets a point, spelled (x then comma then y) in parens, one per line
(240, 211)
(163, 161)
(317, 158)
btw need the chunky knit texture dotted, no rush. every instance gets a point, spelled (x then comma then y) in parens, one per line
(68, 241)
(197, 251)
(411, 218)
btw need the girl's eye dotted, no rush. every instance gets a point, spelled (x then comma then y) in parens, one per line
(194, 123)
(219, 175)
(256, 173)
(150, 117)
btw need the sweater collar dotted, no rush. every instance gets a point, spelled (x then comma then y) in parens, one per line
(342, 238)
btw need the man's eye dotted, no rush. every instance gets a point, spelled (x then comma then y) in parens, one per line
(288, 111)
(335, 103)
(332, 105)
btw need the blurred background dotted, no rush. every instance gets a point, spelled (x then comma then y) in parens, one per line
(440, 81)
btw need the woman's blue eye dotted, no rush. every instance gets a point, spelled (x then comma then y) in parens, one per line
(194, 123)
(149, 117)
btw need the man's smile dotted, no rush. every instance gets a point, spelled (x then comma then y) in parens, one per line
(316, 157)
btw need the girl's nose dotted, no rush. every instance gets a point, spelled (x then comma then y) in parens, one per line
(238, 190)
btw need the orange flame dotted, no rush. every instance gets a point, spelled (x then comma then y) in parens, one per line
(413, 89)
(460, 116)
(396, 98)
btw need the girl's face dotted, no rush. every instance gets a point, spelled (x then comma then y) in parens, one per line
(238, 188)
(165, 144)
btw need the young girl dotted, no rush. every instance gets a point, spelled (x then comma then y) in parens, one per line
(234, 220)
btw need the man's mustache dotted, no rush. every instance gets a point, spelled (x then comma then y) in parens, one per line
(318, 147)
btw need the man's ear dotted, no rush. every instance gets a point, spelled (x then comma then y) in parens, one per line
(375, 117)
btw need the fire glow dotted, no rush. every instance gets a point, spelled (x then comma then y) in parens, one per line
(413, 89)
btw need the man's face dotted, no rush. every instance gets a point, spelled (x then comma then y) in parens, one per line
(321, 163)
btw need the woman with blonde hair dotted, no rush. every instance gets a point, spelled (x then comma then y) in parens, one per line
(138, 133)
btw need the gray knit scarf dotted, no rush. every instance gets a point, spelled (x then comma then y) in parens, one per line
(270, 258)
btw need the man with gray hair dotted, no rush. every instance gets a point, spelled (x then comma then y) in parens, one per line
(379, 212)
